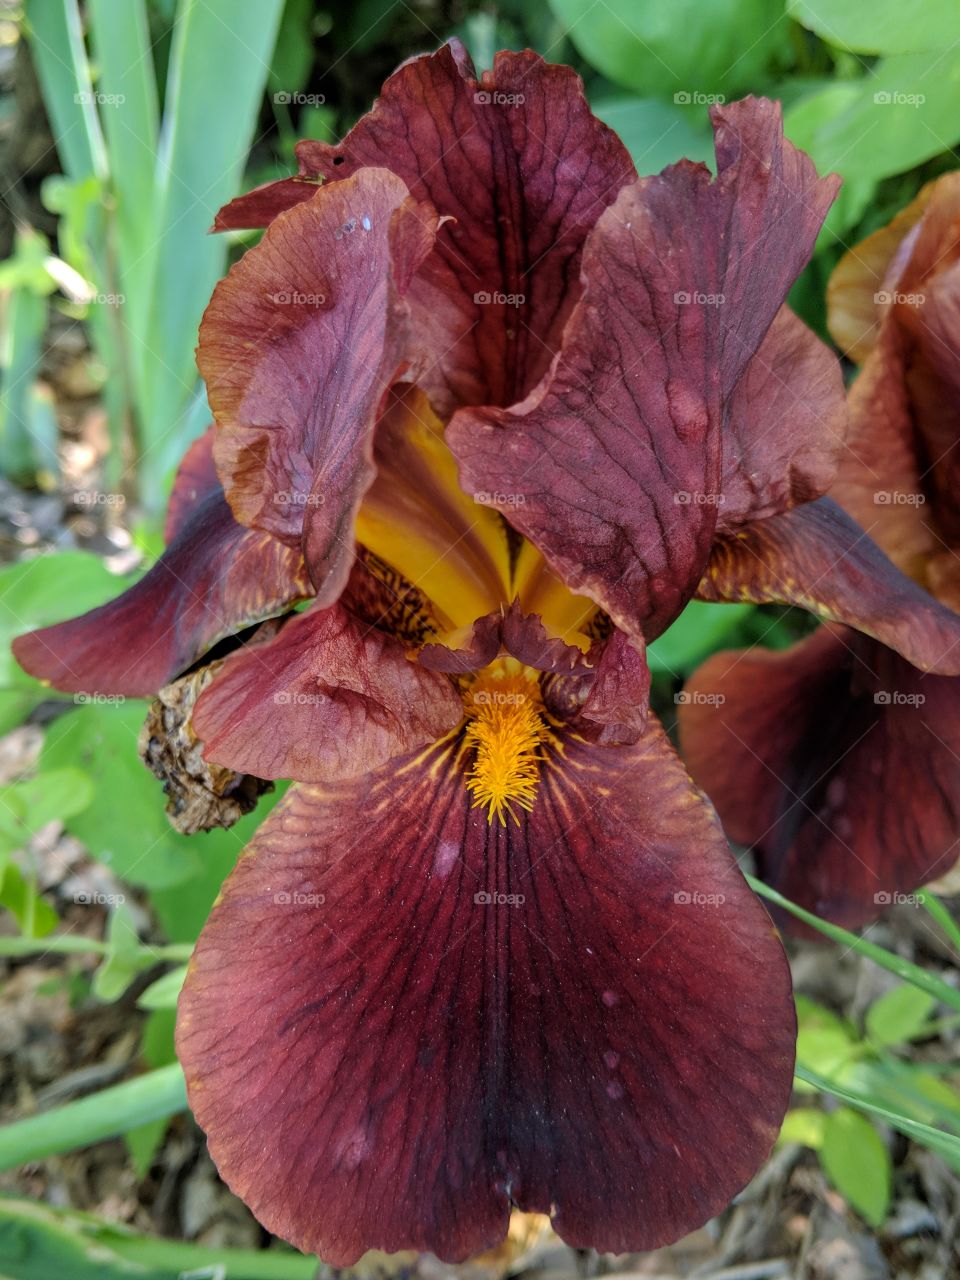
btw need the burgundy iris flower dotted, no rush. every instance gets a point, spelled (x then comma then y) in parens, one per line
(839, 759)
(490, 402)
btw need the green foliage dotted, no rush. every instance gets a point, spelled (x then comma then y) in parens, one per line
(865, 1071)
(41, 1243)
(884, 26)
(684, 48)
(159, 177)
(857, 1162)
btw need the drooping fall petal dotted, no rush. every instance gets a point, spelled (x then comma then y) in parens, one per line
(329, 698)
(520, 162)
(816, 557)
(838, 761)
(195, 480)
(612, 465)
(399, 1018)
(298, 349)
(214, 579)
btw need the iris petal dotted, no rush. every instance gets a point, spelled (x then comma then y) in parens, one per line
(214, 579)
(525, 169)
(399, 1018)
(837, 761)
(815, 556)
(298, 348)
(328, 698)
(612, 465)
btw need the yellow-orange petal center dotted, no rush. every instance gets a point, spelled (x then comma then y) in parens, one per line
(507, 730)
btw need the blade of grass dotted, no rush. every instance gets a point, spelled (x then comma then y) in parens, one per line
(942, 1144)
(911, 973)
(55, 33)
(106, 1114)
(218, 68)
(121, 41)
(942, 916)
(65, 1243)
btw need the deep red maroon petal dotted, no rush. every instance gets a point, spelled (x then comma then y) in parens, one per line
(785, 426)
(510, 632)
(329, 698)
(610, 703)
(214, 579)
(612, 466)
(523, 166)
(816, 557)
(838, 761)
(399, 1019)
(195, 480)
(298, 348)
(259, 207)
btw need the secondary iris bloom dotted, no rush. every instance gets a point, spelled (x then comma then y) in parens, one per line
(839, 759)
(487, 399)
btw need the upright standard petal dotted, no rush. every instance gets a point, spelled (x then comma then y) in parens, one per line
(837, 761)
(214, 579)
(816, 557)
(524, 168)
(328, 698)
(785, 426)
(401, 1019)
(612, 466)
(298, 348)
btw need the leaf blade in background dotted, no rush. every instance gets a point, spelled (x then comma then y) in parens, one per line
(218, 70)
(857, 1162)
